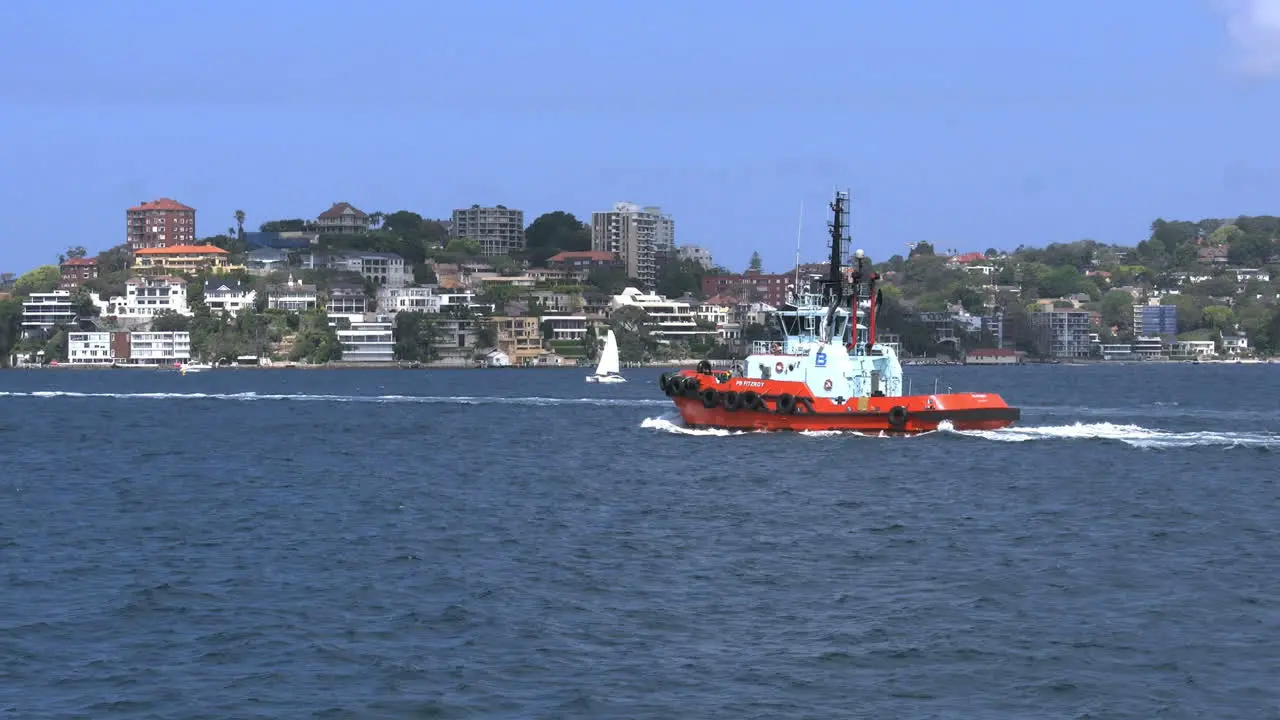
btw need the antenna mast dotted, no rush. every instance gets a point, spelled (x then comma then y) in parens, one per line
(799, 234)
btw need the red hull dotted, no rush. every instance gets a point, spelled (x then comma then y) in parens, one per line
(748, 404)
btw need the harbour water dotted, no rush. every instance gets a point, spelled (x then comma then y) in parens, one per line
(514, 544)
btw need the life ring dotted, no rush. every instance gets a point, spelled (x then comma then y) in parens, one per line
(731, 400)
(897, 416)
(751, 400)
(709, 398)
(786, 404)
(778, 367)
(827, 385)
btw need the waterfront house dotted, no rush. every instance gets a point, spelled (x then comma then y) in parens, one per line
(228, 296)
(182, 259)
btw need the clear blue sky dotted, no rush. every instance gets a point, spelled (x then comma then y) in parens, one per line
(969, 124)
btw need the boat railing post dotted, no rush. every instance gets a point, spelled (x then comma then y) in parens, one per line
(935, 386)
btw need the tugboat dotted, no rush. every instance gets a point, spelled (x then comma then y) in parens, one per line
(827, 372)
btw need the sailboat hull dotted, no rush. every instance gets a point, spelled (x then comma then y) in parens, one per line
(606, 379)
(740, 404)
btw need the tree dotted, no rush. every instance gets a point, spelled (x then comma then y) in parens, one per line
(10, 328)
(463, 246)
(555, 232)
(755, 264)
(1117, 309)
(609, 280)
(680, 277)
(417, 334)
(240, 225)
(1218, 317)
(76, 251)
(921, 249)
(1190, 312)
(316, 342)
(170, 321)
(42, 279)
(294, 225)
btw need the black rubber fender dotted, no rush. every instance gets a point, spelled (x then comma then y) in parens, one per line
(898, 416)
(786, 404)
(731, 400)
(751, 400)
(710, 398)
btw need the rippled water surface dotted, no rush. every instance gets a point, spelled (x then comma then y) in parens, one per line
(384, 544)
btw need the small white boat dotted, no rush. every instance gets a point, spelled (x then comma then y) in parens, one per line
(194, 367)
(608, 369)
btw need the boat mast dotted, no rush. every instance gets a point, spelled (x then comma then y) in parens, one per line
(835, 276)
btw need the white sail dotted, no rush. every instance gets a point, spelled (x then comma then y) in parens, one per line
(609, 364)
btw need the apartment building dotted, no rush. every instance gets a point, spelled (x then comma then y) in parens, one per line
(498, 229)
(750, 286)
(75, 272)
(159, 223)
(343, 219)
(370, 338)
(636, 236)
(182, 260)
(382, 269)
(44, 311)
(519, 338)
(1062, 333)
(150, 296)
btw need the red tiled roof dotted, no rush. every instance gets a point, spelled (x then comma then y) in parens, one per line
(966, 258)
(340, 209)
(161, 204)
(182, 250)
(567, 255)
(79, 261)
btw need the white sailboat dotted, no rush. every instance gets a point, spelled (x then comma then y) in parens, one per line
(608, 369)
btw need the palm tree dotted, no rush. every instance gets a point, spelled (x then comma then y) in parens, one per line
(240, 224)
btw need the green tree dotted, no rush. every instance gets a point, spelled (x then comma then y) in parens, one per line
(240, 225)
(1190, 311)
(42, 279)
(170, 321)
(417, 334)
(294, 225)
(755, 264)
(463, 246)
(555, 232)
(1117, 309)
(1218, 317)
(680, 277)
(316, 342)
(10, 328)
(76, 251)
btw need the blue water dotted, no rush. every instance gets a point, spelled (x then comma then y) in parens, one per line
(520, 544)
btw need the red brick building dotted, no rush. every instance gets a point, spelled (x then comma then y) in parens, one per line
(160, 223)
(75, 271)
(749, 286)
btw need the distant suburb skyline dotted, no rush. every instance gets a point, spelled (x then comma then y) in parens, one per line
(987, 123)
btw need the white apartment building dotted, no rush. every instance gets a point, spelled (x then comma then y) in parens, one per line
(137, 348)
(697, 254)
(636, 236)
(148, 297)
(382, 269)
(565, 327)
(222, 296)
(370, 339)
(159, 348)
(43, 311)
(408, 299)
(668, 319)
(90, 348)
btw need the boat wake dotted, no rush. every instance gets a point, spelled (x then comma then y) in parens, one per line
(300, 397)
(1132, 435)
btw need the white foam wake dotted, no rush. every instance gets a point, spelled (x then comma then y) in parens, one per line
(302, 397)
(672, 423)
(1133, 435)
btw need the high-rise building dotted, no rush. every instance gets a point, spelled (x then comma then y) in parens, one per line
(1155, 320)
(637, 236)
(498, 229)
(159, 223)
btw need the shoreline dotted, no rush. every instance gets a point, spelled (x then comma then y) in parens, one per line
(639, 366)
